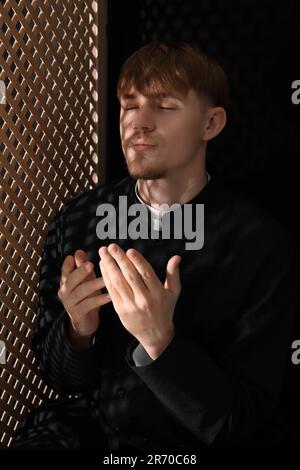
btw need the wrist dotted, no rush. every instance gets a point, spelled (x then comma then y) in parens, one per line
(79, 341)
(155, 350)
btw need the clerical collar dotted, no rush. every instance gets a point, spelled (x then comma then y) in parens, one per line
(156, 213)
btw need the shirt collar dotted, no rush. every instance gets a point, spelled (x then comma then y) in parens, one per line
(153, 209)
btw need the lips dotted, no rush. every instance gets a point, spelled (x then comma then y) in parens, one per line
(142, 144)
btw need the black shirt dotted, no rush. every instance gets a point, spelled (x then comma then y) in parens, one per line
(218, 382)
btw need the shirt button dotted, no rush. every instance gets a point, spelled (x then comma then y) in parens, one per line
(121, 392)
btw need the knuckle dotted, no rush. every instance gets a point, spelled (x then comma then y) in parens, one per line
(145, 305)
(66, 285)
(61, 292)
(131, 276)
(146, 274)
(73, 313)
(86, 267)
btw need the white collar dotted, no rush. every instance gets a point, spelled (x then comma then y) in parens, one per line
(156, 215)
(153, 209)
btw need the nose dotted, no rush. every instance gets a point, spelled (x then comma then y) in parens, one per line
(142, 120)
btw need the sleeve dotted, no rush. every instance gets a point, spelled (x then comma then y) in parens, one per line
(222, 400)
(64, 369)
(140, 356)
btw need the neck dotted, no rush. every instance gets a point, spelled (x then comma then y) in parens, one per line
(174, 188)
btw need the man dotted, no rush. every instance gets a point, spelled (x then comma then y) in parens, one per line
(187, 348)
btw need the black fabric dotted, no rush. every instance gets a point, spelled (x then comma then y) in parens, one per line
(61, 424)
(217, 385)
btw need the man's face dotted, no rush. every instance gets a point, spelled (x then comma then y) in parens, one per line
(173, 126)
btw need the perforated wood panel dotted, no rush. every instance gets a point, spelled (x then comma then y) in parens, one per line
(49, 152)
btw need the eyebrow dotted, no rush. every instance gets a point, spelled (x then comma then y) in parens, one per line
(133, 96)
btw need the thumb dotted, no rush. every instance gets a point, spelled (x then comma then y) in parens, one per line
(172, 281)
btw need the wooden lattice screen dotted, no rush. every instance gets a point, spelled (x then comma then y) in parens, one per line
(49, 152)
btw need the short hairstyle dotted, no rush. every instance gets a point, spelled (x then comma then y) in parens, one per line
(160, 67)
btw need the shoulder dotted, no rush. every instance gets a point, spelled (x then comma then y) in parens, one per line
(82, 207)
(252, 222)
(87, 201)
(104, 192)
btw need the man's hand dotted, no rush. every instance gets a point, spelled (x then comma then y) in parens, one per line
(145, 306)
(80, 293)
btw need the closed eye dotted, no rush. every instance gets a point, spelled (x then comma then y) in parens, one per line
(134, 107)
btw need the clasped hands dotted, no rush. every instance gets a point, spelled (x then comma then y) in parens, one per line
(144, 305)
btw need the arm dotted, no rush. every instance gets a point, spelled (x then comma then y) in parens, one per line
(64, 367)
(223, 400)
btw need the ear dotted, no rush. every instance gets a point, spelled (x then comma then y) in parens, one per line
(215, 122)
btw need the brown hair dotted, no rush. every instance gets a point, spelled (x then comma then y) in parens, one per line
(162, 66)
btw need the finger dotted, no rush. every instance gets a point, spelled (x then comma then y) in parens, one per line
(128, 270)
(74, 278)
(67, 267)
(115, 274)
(86, 289)
(172, 282)
(116, 298)
(91, 303)
(80, 258)
(145, 269)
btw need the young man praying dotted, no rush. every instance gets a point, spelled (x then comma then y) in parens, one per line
(186, 349)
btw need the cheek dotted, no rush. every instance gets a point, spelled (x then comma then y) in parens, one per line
(181, 135)
(184, 141)
(172, 128)
(125, 128)
(122, 133)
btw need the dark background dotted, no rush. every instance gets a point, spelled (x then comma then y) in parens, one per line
(258, 151)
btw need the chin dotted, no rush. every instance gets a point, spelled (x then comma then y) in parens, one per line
(145, 172)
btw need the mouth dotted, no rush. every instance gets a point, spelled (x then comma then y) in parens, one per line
(143, 145)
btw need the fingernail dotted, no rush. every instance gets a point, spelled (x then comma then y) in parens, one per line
(102, 250)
